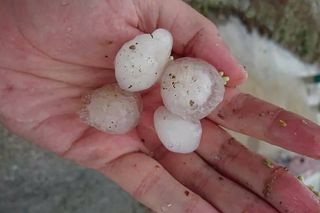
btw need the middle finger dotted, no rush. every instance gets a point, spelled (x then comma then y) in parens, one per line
(254, 117)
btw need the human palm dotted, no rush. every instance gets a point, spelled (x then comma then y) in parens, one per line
(54, 52)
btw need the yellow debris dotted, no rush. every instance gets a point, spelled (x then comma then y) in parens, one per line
(283, 123)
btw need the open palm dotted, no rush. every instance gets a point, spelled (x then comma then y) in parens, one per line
(53, 52)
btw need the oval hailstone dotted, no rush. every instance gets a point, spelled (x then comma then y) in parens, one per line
(191, 88)
(140, 62)
(111, 109)
(175, 133)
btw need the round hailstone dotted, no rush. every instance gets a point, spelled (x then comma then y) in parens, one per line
(141, 61)
(111, 110)
(175, 133)
(191, 88)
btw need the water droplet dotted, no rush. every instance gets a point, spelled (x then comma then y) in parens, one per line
(166, 208)
(217, 158)
(69, 42)
(64, 3)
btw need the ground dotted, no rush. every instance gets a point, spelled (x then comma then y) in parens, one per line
(35, 181)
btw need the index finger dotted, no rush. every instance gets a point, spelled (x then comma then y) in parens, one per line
(254, 117)
(193, 34)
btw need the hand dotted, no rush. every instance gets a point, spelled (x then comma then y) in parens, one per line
(53, 52)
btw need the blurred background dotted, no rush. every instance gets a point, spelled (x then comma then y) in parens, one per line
(278, 41)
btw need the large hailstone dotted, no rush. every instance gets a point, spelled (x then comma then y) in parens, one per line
(175, 133)
(141, 61)
(111, 109)
(191, 88)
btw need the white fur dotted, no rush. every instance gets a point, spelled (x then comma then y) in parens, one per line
(273, 71)
(274, 75)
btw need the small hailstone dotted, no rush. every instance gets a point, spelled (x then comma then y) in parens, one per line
(191, 88)
(175, 133)
(141, 61)
(111, 109)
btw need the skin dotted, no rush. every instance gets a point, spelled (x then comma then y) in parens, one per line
(54, 52)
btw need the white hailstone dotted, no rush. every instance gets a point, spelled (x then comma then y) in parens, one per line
(191, 88)
(175, 133)
(111, 109)
(140, 62)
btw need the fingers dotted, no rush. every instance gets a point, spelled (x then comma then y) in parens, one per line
(152, 185)
(226, 195)
(270, 181)
(252, 116)
(198, 176)
(194, 35)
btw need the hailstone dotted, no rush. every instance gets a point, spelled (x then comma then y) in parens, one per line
(140, 62)
(177, 134)
(191, 88)
(111, 109)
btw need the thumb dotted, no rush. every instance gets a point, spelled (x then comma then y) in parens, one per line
(193, 34)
